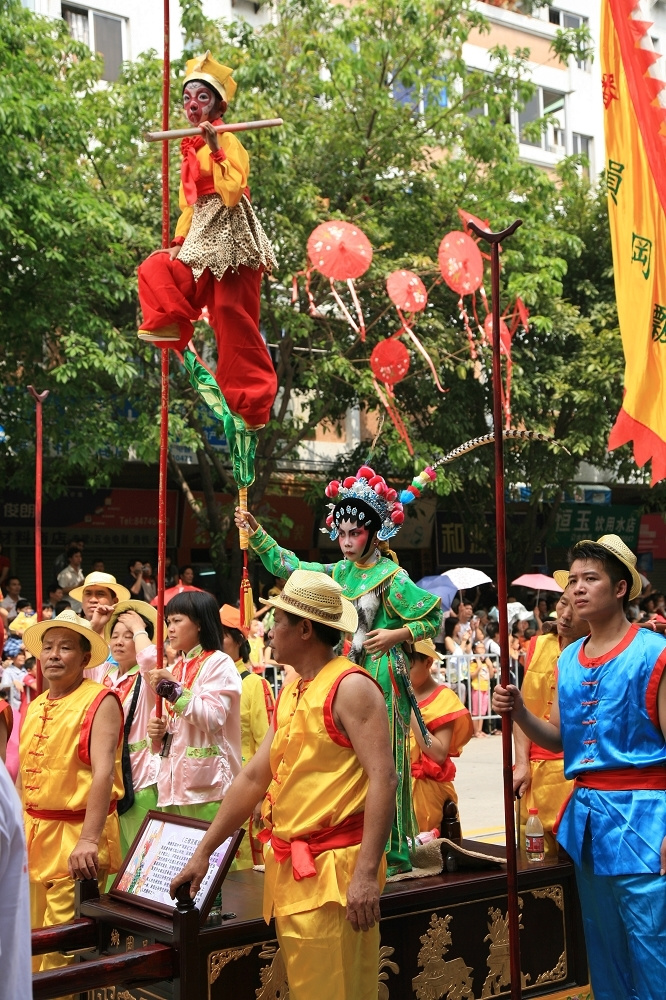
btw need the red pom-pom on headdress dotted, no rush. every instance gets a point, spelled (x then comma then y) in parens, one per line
(349, 482)
(365, 472)
(332, 489)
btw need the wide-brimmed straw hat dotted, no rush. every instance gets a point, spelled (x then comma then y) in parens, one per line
(317, 597)
(426, 647)
(98, 579)
(33, 637)
(561, 578)
(230, 616)
(617, 548)
(141, 608)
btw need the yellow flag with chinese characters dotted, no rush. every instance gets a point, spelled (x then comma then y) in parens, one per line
(636, 177)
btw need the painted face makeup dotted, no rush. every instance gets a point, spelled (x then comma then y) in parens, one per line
(353, 540)
(199, 103)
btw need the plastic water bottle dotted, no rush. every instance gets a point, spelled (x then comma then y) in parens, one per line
(423, 838)
(534, 841)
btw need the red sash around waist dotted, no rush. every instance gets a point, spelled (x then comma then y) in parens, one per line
(617, 779)
(206, 185)
(624, 778)
(64, 815)
(304, 850)
(426, 767)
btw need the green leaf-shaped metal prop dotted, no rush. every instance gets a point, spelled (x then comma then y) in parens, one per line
(242, 441)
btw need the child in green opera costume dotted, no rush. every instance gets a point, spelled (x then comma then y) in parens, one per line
(365, 513)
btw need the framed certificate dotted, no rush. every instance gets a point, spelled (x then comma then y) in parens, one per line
(161, 849)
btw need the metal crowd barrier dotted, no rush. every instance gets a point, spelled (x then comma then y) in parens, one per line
(453, 672)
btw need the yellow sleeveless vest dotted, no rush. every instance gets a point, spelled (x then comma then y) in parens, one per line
(56, 775)
(317, 783)
(539, 686)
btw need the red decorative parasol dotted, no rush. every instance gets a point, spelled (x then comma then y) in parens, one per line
(460, 263)
(389, 362)
(406, 291)
(341, 252)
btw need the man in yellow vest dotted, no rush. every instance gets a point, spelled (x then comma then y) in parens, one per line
(538, 776)
(70, 772)
(327, 773)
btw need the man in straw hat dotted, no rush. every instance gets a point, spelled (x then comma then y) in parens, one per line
(70, 772)
(327, 772)
(98, 595)
(609, 717)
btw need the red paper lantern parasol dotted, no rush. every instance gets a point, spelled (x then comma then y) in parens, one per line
(339, 250)
(406, 291)
(460, 263)
(390, 361)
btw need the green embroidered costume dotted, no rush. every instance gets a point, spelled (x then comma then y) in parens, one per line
(385, 597)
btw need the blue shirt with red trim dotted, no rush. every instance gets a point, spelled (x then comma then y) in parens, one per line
(609, 719)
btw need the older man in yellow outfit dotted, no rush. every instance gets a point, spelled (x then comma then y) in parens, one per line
(70, 770)
(326, 770)
(538, 775)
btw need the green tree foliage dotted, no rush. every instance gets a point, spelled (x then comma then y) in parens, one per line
(384, 126)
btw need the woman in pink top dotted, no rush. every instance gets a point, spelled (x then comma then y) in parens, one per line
(202, 710)
(130, 633)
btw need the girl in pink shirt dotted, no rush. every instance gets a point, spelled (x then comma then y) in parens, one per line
(202, 709)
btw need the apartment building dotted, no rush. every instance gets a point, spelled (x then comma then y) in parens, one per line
(121, 29)
(572, 91)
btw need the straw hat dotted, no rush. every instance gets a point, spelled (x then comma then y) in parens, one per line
(617, 548)
(22, 622)
(141, 608)
(561, 577)
(33, 637)
(317, 597)
(230, 616)
(426, 647)
(101, 580)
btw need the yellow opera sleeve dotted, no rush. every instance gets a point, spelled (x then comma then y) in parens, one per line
(230, 176)
(185, 218)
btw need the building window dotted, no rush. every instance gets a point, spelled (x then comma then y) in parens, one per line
(101, 33)
(583, 145)
(567, 20)
(544, 102)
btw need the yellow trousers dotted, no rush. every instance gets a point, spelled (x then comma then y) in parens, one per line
(548, 791)
(429, 797)
(325, 958)
(52, 903)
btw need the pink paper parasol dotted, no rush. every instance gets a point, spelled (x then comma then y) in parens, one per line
(460, 263)
(341, 252)
(406, 291)
(389, 362)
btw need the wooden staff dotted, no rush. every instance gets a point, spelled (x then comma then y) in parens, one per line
(500, 531)
(183, 133)
(39, 398)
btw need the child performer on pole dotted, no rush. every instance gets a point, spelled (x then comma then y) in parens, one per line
(391, 610)
(218, 254)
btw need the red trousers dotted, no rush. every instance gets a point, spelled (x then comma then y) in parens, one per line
(169, 294)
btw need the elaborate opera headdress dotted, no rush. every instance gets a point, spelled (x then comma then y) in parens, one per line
(366, 499)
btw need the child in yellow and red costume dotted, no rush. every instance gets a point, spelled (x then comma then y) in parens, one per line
(218, 255)
(450, 726)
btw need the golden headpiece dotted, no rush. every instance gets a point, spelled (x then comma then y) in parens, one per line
(214, 74)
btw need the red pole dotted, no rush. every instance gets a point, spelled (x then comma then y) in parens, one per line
(39, 398)
(164, 395)
(500, 531)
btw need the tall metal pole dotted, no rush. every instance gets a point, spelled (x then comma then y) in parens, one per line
(164, 395)
(500, 531)
(39, 398)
